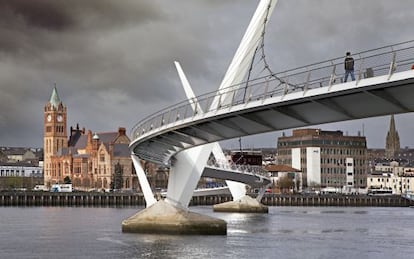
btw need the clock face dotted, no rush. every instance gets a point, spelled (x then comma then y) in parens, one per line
(49, 117)
(60, 118)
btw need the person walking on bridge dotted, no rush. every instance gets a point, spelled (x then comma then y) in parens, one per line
(349, 67)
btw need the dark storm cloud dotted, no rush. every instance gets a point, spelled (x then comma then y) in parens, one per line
(61, 15)
(48, 15)
(29, 27)
(68, 42)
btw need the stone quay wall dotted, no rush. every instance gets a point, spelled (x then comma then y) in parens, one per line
(135, 199)
(70, 199)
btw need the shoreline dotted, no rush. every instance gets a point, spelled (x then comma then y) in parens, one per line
(85, 199)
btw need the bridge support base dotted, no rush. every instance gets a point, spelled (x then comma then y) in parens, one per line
(245, 204)
(164, 218)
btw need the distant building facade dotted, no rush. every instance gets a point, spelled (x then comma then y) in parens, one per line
(20, 154)
(279, 172)
(19, 175)
(87, 159)
(246, 157)
(20, 169)
(326, 158)
(392, 176)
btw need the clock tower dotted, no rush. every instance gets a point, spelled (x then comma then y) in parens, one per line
(55, 136)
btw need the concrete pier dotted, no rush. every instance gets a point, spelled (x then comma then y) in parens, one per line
(246, 204)
(164, 218)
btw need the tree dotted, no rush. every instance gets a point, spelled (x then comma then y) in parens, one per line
(67, 180)
(117, 179)
(285, 183)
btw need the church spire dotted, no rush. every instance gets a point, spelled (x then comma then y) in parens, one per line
(54, 98)
(392, 144)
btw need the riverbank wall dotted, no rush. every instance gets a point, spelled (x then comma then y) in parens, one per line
(135, 199)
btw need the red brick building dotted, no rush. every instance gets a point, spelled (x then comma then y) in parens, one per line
(87, 159)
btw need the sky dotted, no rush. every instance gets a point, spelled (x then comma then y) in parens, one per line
(113, 61)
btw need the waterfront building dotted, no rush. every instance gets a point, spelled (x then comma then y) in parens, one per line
(20, 169)
(392, 142)
(326, 158)
(398, 179)
(19, 175)
(284, 173)
(87, 159)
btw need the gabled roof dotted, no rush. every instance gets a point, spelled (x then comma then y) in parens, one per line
(105, 138)
(74, 138)
(121, 150)
(66, 151)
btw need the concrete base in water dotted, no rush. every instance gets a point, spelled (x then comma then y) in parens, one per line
(164, 218)
(245, 204)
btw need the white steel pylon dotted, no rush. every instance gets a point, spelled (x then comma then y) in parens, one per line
(189, 164)
(143, 180)
(243, 57)
(237, 189)
(186, 169)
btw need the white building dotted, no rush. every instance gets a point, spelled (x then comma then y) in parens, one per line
(392, 177)
(326, 158)
(20, 170)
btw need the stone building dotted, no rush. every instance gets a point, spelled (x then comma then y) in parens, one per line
(87, 159)
(326, 158)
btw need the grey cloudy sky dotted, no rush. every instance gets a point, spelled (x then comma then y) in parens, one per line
(113, 60)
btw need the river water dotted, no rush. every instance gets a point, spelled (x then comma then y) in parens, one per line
(286, 232)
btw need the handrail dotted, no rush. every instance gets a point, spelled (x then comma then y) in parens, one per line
(257, 171)
(375, 62)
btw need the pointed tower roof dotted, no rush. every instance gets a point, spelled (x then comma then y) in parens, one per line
(392, 124)
(54, 98)
(392, 141)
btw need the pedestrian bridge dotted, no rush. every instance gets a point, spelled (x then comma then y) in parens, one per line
(305, 96)
(185, 136)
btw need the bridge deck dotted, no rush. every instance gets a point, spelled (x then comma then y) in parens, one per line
(160, 137)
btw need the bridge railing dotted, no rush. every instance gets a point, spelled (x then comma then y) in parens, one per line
(245, 169)
(376, 62)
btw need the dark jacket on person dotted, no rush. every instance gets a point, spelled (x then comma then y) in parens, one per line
(349, 63)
